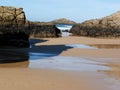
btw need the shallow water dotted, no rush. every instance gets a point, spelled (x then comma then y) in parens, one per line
(66, 63)
(80, 46)
(64, 26)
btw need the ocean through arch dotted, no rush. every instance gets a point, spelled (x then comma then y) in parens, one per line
(64, 28)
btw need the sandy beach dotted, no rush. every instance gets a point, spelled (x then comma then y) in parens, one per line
(21, 76)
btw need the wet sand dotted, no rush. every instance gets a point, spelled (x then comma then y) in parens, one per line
(50, 79)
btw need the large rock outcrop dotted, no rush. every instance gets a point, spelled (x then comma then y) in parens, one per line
(12, 27)
(105, 27)
(44, 30)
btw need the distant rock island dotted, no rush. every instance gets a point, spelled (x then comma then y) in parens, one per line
(63, 21)
(108, 26)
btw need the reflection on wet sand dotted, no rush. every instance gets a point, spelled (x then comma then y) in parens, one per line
(94, 46)
(66, 63)
(114, 70)
(106, 46)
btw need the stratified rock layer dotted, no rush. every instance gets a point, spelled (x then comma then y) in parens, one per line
(106, 27)
(12, 27)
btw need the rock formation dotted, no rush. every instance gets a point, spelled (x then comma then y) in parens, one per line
(44, 30)
(12, 27)
(105, 27)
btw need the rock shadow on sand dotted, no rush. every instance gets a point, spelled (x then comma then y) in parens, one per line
(45, 51)
(13, 55)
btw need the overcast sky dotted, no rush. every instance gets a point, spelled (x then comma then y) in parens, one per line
(76, 10)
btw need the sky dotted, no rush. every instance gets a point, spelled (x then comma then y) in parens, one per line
(76, 10)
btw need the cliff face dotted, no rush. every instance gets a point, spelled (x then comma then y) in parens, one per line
(12, 27)
(44, 30)
(105, 27)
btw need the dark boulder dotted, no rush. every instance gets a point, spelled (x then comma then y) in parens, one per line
(44, 30)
